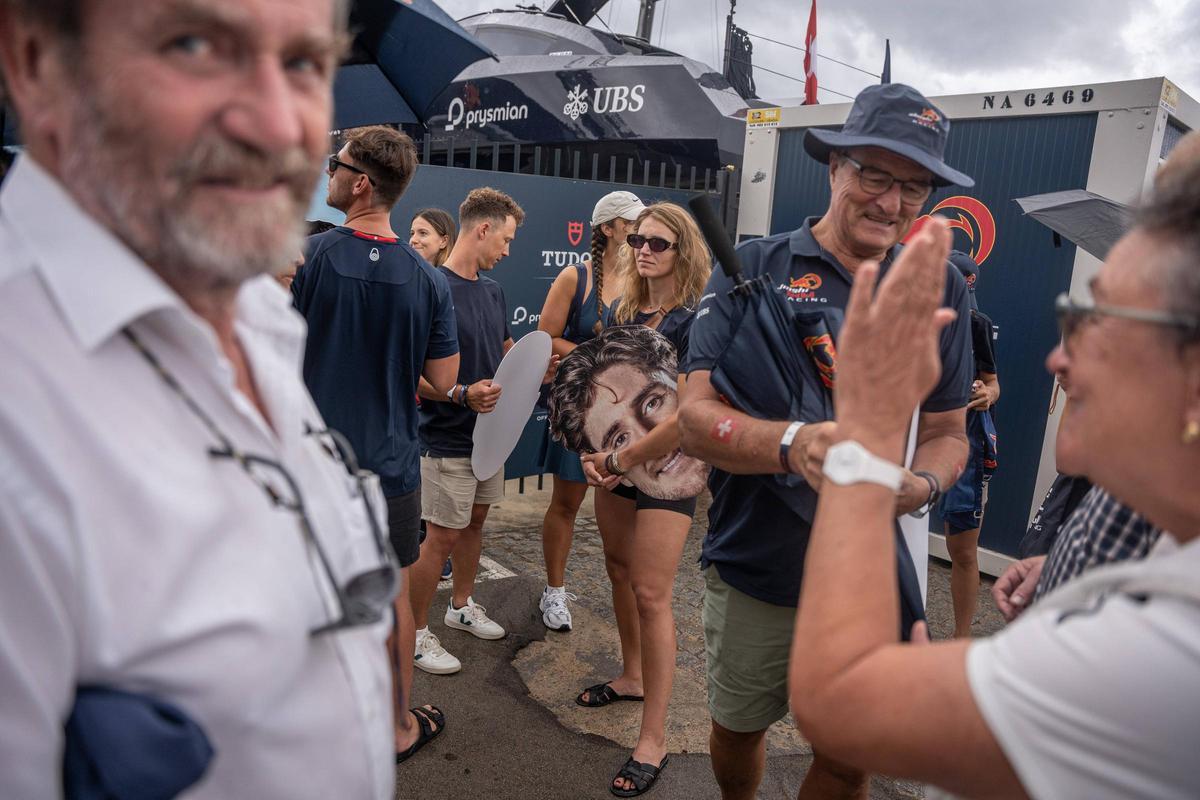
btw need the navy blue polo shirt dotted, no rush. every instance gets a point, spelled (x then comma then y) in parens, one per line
(755, 542)
(482, 317)
(376, 312)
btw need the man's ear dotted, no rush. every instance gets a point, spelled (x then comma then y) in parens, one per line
(483, 229)
(33, 73)
(1191, 383)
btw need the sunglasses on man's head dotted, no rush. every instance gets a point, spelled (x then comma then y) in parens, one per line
(657, 243)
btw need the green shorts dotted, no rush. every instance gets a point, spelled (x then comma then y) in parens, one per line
(746, 643)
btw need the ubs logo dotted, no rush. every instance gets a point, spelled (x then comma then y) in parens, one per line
(605, 100)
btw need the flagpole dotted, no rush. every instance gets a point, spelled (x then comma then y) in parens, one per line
(810, 58)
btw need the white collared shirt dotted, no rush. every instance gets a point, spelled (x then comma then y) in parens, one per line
(132, 559)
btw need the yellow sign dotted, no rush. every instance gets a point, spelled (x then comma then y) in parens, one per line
(763, 117)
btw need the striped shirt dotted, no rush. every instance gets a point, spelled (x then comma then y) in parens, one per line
(1102, 530)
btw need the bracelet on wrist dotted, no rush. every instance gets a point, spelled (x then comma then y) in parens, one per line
(613, 464)
(462, 395)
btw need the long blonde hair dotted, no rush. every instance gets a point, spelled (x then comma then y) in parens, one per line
(693, 263)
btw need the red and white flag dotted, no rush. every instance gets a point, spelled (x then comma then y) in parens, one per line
(810, 58)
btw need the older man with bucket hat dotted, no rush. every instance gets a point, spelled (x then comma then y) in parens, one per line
(884, 164)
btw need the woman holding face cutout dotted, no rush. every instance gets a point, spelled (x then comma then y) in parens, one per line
(615, 401)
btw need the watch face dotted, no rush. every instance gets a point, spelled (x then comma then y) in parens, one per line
(844, 461)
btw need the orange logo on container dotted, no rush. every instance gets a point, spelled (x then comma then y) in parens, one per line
(574, 233)
(824, 355)
(973, 218)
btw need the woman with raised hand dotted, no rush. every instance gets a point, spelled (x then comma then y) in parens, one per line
(571, 315)
(637, 434)
(1095, 690)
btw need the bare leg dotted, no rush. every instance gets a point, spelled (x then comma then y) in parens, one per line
(964, 578)
(738, 761)
(616, 518)
(656, 548)
(400, 646)
(831, 780)
(466, 555)
(426, 573)
(558, 528)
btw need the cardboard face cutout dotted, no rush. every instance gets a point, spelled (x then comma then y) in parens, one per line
(612, 391)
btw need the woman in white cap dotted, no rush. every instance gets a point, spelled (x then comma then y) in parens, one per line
(572, 314)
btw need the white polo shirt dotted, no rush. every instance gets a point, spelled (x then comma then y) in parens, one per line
(130, 558)
(1095, 693)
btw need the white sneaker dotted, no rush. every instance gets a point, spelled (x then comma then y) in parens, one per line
(555, 613)
(470, 618)
(432, 657)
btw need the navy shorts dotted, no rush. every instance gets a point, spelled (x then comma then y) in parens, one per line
(963, 504)
(404, 526)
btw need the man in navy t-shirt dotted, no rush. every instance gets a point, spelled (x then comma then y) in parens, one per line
(883, 165)
(454, 504)
(379, 317)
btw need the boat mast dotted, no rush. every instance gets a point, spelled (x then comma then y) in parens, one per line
(646, 19)
(728, 39)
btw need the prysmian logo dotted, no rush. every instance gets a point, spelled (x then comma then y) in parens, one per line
(457, 114)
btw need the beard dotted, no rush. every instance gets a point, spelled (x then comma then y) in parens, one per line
(169, 214)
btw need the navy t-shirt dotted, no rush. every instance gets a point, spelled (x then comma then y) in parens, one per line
(756, 543)
(482, 316)
(376, 312)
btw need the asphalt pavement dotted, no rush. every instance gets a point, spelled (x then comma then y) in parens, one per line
(513, 729)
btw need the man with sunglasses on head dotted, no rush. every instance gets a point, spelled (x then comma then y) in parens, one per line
(883, 166)
(379, 318)
(195, 595)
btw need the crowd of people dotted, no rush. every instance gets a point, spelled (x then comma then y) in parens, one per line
(225, 509)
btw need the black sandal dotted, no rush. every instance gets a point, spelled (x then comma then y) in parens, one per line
(427, 717)
(642, 776)
(602, 694)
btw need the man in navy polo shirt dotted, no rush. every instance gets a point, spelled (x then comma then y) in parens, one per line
(883, 166)
(379, 317)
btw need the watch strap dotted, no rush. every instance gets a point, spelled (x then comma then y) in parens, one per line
(785, 445)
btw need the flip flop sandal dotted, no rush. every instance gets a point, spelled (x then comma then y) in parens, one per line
(427, 717)
(602, 694)
(642, 776)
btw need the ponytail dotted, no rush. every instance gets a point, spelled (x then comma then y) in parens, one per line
(599, 241)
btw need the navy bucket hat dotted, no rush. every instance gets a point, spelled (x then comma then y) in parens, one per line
(894, 117)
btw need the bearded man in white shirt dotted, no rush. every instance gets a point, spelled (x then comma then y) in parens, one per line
(175, 522)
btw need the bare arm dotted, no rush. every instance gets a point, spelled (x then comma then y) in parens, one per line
(941, 450)
(557, 307)
(859, 695)
(437, 378)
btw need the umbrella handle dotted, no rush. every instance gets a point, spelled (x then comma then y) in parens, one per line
(717, 238)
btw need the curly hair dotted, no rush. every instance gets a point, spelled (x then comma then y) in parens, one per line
(693, 262)
(574, 390)
(442, 224)
(389, 158)
(486, 204)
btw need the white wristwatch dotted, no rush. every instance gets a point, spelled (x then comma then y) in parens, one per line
(849, 462)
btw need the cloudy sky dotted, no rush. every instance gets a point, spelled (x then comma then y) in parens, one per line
(938, 46)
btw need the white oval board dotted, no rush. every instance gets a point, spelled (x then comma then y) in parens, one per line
(519, 378)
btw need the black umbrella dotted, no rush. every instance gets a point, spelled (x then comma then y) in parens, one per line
(416, 46)
(1088, 220)
(779, 365)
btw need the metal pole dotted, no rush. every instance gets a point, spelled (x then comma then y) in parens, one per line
(646, 19)
(728, 41)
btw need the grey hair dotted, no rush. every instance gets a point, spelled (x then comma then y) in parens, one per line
(1173, 217)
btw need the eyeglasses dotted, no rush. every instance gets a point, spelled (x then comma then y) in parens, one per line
(334, 163)
(657, 243)
(1072, 313)
(877, 181)
(366, 596)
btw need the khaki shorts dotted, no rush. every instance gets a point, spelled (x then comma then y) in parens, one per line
(449, 490)
(746, 643)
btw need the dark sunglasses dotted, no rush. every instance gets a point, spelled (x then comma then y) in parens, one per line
(657, 243)
(334, 163)
(1072, 313)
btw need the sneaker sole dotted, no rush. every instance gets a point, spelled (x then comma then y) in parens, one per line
(432, 670)
(560, 628)
(471, 629)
